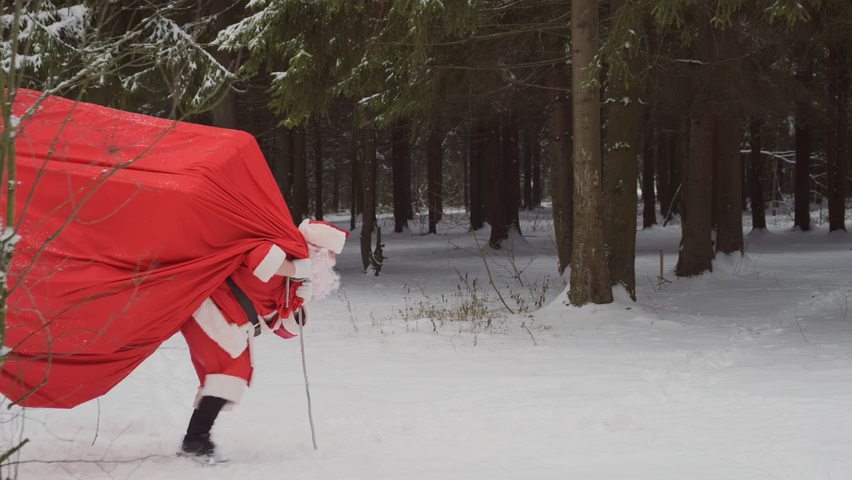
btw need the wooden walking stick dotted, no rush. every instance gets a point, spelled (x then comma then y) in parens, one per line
(299, 320)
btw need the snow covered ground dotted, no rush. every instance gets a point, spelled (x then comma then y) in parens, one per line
(744, 373)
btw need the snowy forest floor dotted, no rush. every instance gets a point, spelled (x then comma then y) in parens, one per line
(421, 373)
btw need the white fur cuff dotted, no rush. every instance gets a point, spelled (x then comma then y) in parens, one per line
(224, 386)
(302, 268)
(270, 263)
(231, 337)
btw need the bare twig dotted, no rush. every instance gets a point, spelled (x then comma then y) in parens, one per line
(490, 276)
(349, 306)
(98, 424)
(532, 337)
(96, 461)
(11, 452)
(671, 205)
(654, 288)
(800, 326)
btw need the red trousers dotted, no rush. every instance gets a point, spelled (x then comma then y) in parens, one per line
(220, 375)
(219, 333)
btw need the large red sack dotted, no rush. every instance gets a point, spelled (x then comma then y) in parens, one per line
(127, 224)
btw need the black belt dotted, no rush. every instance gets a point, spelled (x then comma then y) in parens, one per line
(251, 313)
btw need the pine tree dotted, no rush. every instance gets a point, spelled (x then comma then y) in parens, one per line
(401, 175)
(434, 162)
(729, 236)
(369, 196)
(589, 273)
(560, 135)
(620, 168)
(756, 177)
(649, 198)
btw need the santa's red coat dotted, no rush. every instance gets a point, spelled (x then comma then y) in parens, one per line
(127, 224)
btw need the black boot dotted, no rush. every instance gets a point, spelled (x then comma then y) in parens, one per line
(197, 442)
(198, 446)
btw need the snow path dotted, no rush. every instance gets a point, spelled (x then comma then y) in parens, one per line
(744, 373)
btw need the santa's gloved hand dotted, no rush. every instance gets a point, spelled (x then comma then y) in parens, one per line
(303, 268)
(304, 291)
(301, 315)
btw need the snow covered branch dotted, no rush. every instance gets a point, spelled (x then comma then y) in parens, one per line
(155, 49)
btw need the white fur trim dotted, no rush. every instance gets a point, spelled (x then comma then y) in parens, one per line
(229, 406)
(231, 337)
(323, 236)
(302, 268)
(270, 263)
(224, 386)
(251, 345)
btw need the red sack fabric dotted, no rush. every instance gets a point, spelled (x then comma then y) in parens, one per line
(127, 224)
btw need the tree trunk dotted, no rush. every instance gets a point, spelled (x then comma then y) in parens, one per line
(696, 251)
(536, 171)
(434, 174)
(802, 204)
(743, 185)
(620, 171)
(511, 173)
(590, 281)
(283, 165)
(335, 189)
(778, 171)
(649, 198)
(670, 169)
(369, 197)
(664, 158)
(477, 174)
(401, 175)
(407, 176)
(355, 183)
(299, 207)
(714, 211)
(318, 170)
(465, 160)
(680, 162)
(495, 198)
(528, 148)
(838, 157)
(756, 178)
(439, 186)
(560, 131)
(729, 236)
(225, 112)
(680, 150)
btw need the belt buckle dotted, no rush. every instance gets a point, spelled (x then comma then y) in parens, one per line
(257, 330)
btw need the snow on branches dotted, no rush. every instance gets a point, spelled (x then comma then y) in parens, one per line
(154, 47)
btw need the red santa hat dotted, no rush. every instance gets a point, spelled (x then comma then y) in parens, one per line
(324, 234)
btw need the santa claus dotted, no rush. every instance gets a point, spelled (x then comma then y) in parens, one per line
(255, 299)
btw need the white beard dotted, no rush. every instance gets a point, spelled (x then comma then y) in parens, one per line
(324, 279)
